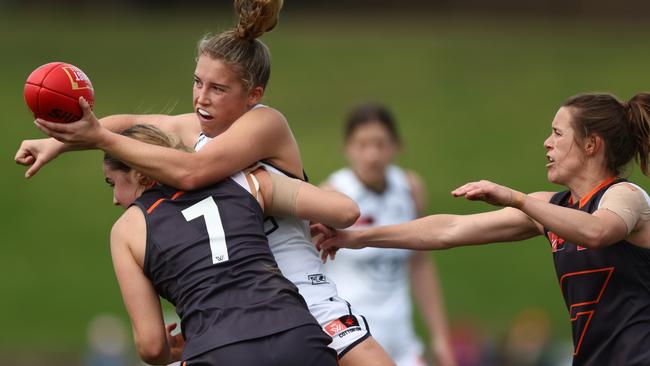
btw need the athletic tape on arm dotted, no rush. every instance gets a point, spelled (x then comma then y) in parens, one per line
(285, 194)
(627, 201)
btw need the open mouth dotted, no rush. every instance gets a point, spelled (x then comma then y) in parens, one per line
(550, 160)
(203, 113)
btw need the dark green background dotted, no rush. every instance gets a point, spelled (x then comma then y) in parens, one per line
(474, 98)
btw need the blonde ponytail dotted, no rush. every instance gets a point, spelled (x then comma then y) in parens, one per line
(239, 48)
(256, 17)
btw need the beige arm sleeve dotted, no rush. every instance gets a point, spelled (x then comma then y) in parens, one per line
(628, 202)
(285, 193)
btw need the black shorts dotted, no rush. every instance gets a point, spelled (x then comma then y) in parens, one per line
(305, 345)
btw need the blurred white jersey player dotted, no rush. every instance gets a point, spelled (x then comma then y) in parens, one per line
(299, 261)
(376, 280)
(379, 281)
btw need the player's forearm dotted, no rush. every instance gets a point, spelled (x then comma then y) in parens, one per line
(574, 225)
(120, 122)
(116, 123)
(166, 165)
(422, 234)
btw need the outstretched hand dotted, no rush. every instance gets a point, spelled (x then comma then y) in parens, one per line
(491, 193)
(328, 241)
(84, 133)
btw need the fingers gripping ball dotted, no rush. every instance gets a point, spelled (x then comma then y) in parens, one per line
(52, 92)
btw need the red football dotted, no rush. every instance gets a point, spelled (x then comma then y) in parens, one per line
(52, 92)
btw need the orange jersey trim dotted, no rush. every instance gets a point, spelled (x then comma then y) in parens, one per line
(155, 204)
(585, 199)
(590, 313)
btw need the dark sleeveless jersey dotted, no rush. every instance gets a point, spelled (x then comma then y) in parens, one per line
(607, 293)
(207, 254)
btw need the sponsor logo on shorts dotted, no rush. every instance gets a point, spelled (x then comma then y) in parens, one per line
(317, 279)
(342, 326)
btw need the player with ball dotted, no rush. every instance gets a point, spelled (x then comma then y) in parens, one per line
(230, 130)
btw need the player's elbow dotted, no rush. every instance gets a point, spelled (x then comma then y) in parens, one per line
(187, 178)
(344, 213)
(153, 352)
(595, 238)
(350, 215)
(439, 237)
(443, 240)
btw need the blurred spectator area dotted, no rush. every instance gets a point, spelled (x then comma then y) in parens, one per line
(629, 9)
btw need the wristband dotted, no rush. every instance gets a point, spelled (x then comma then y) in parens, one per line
(517, 199)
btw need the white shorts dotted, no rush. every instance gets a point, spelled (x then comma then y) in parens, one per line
(341, 322)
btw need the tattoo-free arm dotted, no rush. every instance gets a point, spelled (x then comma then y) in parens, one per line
(257, 135)
(140, 298)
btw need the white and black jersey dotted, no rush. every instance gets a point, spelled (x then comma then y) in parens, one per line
(376, 280)
(299, 261)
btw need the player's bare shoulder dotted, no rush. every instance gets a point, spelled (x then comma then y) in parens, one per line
(271, 118)
(186, 127)
(130, 230)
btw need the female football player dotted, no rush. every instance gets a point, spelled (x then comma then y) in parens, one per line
(599, 228)
(205, 251)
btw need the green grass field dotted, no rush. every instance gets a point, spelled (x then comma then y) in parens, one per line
(474, 98)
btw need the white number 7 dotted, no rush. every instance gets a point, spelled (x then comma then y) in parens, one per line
(210, 211)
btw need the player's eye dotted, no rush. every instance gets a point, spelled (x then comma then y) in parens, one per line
(110, 182)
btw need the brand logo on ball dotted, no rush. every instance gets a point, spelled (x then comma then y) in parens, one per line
(78, 80)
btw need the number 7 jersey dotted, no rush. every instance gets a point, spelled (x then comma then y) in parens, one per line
(206, 253)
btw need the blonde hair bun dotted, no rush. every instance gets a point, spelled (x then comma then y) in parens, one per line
(256, 17)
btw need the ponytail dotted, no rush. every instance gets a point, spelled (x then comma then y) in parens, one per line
(239, 48)
(638, 116)
(256, 17)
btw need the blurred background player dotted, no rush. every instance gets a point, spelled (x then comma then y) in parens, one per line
(206, 253)
(379, 281)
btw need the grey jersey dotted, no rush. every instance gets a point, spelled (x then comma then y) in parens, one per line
(207, 254)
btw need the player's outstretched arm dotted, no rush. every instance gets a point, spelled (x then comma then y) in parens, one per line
(140, 298)
(598, 229)
(260, 134)
(38, 152)
(284, 196)
(437, 232)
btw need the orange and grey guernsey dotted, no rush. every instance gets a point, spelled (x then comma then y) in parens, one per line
(607, 293)
(207, 254)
